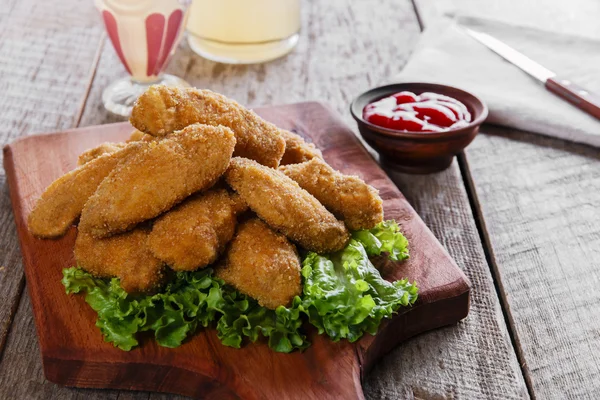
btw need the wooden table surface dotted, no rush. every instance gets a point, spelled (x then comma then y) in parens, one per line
(518, 212)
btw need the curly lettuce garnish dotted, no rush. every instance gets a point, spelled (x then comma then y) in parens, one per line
(193, 299)
(343, 296)
(384, 238)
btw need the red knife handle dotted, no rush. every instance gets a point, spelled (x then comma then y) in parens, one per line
(575, 94)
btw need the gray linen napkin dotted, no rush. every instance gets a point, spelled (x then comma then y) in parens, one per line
(447, 55)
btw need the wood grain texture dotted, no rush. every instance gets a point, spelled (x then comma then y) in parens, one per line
(442, 202)
(475, 359)
(32, 383)
(74, 354)
(540, 198)
(537, 198)
(47, 51)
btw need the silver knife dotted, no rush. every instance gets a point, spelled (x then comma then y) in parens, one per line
(563, 87)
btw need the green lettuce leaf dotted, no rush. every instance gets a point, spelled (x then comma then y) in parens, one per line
(344, 295)
(191, 300)
(384, 238)
(281, 326)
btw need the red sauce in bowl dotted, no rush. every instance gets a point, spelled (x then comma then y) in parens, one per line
(408, 112)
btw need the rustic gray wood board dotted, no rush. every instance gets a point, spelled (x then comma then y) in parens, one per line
(442, 364)
(537, 199)
(45, 73)
(540, 200)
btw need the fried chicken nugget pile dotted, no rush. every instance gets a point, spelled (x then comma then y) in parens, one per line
(349, 198)
(162, 110)
(195, 233)
(263, 264)
(158, 176)
(159, 202)
(126, 256)
(62, 202)
(285, 206)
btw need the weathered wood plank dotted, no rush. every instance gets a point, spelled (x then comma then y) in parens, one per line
(47, 57)
(474, 359)
(448, 214)
(539, 198)
(21, 374)
(47, 51)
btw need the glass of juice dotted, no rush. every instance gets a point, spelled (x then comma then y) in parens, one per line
(145, 35)
(243, 31)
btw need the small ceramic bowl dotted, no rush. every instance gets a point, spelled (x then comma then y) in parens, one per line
(418, 152)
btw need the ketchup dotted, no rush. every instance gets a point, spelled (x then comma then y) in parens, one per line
(408, 112)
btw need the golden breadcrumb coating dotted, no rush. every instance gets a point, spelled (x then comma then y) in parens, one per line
(158, 176)
(137, 136)
(349, 198)
(193, 234)
(125, 256)
(297, 150)
(286, 207)
(262, 264)
(104, 148)
(61, 203)
(161, 110)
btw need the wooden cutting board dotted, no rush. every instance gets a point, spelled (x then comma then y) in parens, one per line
(74, 353)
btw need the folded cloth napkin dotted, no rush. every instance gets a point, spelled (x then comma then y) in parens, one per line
(447, 55)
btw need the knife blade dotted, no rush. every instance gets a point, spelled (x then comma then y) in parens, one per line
(563, 87)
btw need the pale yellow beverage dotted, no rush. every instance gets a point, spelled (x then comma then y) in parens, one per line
(243, 31)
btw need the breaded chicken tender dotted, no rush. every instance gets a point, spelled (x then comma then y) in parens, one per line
(286, 207)
(297, 150)
(104, 148)
(125, 256)
(158, 176)
(193, 234)
(162, 110)
(61, 203)
(262, 264)
(349, 198)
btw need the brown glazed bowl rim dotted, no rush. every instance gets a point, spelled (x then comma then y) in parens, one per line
(377, 93)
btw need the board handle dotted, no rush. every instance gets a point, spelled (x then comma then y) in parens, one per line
(575, 94)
